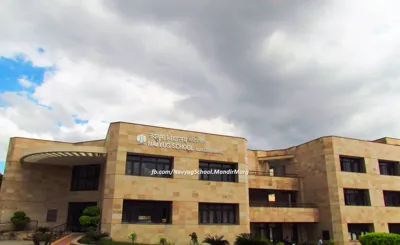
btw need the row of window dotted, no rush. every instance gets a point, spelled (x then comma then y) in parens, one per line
(86, 177)
(357, 165)
(155, 166)
(360, 197)
(156, 212)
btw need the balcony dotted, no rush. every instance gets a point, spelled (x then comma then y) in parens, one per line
(283, 212)
(273, 180)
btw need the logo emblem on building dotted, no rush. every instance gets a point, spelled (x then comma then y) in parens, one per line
(141, 139)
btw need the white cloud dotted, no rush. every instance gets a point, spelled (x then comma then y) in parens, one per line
(98, 94)
(330, 70)
(25, 83)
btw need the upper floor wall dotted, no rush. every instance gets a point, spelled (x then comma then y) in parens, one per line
(128, 137)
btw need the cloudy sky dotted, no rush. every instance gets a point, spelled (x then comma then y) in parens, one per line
(276, 72)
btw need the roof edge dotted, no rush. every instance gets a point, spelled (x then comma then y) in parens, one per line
(177, 129)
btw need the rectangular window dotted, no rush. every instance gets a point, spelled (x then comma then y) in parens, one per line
(392, 198)
(218, 213)
(352, 164)
(215, 171)
(357, 230)
(144, 165)
(146, 212)
(356, 197)
(394, 228)
(85, 178)
(51, 215)
(389, 168)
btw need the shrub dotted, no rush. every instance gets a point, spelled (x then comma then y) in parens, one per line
(42, 229)
(20, 220)
(90, 218)
(96, 236)
(163, 241)
(216, 240)
(249, 239)
(133, 236)
(378, 238)
(194, 238)
(280, 243)
(41, 237)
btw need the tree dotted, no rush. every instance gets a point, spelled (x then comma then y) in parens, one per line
(90, 218)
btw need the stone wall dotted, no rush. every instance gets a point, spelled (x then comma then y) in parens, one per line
(34, 188)
(186, 191)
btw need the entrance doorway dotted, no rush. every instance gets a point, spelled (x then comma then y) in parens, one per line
(75, 210)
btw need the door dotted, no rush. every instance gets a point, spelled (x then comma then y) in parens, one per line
(75, 210)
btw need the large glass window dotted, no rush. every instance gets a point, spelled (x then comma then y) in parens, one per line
(85, 178)
(392, 198)
(146, 212)
(218, 213)
(215, 171)
(389, 168)
(357, 230)
(356, 197)
(144, 165)
(352, 164)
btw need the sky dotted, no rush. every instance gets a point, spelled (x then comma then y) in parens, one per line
(278, 73)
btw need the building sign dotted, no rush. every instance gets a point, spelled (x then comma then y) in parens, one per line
(175, 142)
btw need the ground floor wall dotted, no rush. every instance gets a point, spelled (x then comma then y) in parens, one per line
(151, 234)
(37, 188)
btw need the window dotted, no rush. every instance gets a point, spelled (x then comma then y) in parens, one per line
(394, 228)
(392, 198)
(146, 212)
(356, 197)
(85, 178)
(144, 165)
(207, 167)
(389, 168)
(215, 213)
(352, 164)
(357, 230)
(51, 215)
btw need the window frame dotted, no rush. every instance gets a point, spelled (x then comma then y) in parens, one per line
(132, 210)
(356, 196)
(352, 164)
(138, 164)
(206, 165)
(393, 196)
(85, 177)
(218, 211)
(358, 230)
(391, 167)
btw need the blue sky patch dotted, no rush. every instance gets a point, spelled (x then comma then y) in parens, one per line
(11, 70)
(2, 166)
(79, 121)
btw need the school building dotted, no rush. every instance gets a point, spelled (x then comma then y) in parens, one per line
(331, 187)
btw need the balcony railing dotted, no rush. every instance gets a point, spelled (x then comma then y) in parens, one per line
(282, 205)
(272, 174)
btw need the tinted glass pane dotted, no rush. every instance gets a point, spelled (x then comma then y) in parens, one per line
(143, 166)
(129, 168)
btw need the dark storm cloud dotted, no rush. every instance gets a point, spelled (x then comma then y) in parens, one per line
(276, 105)
(284, 109)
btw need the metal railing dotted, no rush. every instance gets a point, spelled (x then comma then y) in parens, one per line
(273, 174)
(282, 205)
(58, 231)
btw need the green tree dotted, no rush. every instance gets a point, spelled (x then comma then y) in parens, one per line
(90, 218)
